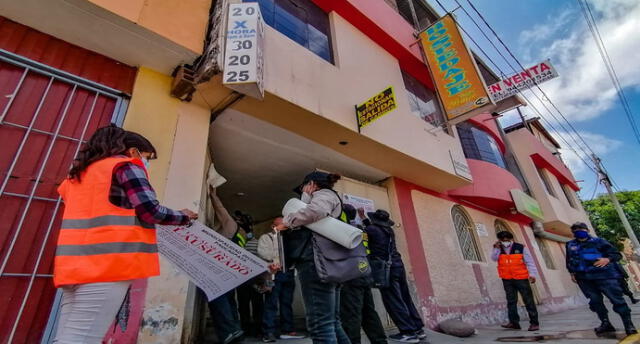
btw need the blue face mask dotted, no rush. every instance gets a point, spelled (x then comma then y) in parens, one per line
(146, 163)
(579, 234)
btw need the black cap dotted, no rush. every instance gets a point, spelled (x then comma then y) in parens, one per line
(579, 225)
(380, 217)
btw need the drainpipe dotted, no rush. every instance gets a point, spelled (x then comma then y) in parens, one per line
(539, 231)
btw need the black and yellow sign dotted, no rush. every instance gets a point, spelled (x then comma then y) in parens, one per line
(376, 107)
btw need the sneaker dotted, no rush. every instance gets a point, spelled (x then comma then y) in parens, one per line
(405, 338)
(269, 338)
(421, 334)
(634, 301)
(511, 326)
(292, 335)
(233, 337)
(533, 327)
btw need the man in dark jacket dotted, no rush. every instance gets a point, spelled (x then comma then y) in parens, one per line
(592, 264)
(396, 297)
(357, 308)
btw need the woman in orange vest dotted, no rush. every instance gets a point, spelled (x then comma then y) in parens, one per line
(107, 237)
(517, 271)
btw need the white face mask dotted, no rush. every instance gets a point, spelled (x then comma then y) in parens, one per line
(506, 243)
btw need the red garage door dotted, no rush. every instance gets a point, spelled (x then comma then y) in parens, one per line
(47, 110)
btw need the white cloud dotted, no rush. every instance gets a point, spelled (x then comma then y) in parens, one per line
(600, 144)
(584, 91)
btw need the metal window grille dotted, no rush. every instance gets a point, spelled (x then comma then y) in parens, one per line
(45, 116)
(465, 231)
(546, 255)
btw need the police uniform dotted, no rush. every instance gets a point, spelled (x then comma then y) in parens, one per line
(598, 281)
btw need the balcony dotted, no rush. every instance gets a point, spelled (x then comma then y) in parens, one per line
(491, 187)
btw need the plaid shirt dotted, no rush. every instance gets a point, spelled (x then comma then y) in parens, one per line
(130, 189)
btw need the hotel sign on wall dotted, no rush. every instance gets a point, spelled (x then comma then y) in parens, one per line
(454, 71)
(243, 60)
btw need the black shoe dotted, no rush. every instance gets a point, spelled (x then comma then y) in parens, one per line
(511, 326)
(634, 301)
(421, 334)
(604, 327)
(405, 338)
(269, 338)
(629, 328)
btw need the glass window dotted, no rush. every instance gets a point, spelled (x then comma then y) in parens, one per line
(500, 226)
(465, 230)
(546, 182)
(569, 194)
(423, 102)
(479, 145)
(546, 254)
(301, 21)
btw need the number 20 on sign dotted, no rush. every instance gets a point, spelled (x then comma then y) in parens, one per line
(243, 51)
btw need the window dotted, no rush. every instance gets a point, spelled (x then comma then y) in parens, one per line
(546, 255)
(407, 9)
(546, 182)
(465, 230)
(300, 20)
(500, 226)
(423, 102)
(479, 145)
(568, 193)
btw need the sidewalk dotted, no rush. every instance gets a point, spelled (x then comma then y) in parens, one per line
(569, 327)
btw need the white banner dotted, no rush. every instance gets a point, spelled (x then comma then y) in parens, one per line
(526, 79)
(214, 263)
(359, 202)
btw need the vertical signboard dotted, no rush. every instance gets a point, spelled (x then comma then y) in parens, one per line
(454, 71)
(243, 61)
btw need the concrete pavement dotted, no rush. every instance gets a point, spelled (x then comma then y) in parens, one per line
(569, 327)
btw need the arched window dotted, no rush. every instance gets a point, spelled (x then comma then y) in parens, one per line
(501, 226)
(465, 230)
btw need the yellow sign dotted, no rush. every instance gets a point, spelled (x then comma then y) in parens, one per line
(376, 107)
(455, 74)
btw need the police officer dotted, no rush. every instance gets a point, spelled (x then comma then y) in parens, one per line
(591, 262)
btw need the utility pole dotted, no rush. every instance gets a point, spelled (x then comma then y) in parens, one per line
(604, 179)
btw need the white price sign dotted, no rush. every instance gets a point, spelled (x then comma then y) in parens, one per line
(243, 62)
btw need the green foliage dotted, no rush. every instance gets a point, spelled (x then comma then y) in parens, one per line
(605, 219)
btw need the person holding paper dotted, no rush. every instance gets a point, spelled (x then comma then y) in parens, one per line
(107, 237)
(280, 298)
(321, 300)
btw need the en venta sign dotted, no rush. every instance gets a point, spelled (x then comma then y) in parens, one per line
(521, 81)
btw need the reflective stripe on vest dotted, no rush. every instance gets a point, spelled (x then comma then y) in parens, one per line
(99, 241)
(101, 221)
(365, 242)
(512, 266)
(240, 240)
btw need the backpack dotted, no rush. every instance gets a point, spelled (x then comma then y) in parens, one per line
(335, 263)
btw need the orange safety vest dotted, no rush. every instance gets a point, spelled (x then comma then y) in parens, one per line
(98, 241)
(512, 266)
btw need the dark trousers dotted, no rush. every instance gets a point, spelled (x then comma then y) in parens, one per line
(280, 298)
(322, 306)
(358, 310)
(398, 303)
(225, 315)
(512, 287)
(595, 289)
(251, 307)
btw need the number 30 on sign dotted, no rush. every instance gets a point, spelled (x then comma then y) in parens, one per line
(243, 63)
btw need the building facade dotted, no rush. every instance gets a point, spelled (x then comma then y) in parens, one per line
(155, 67)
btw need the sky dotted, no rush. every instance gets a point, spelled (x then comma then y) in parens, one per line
(536, 30)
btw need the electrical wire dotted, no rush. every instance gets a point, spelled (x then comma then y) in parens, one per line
(595, 32)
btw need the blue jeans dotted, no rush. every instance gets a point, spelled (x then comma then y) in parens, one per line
(224, 312)
(595, 289)
(280, 298)
(322, 305)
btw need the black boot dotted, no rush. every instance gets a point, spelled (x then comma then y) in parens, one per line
(604, 327)
(629, 328)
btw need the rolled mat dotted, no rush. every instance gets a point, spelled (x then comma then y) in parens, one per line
(332, 229)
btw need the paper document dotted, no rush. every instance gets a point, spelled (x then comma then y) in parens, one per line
(214, 263)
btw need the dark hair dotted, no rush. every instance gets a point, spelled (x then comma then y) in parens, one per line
(105, 142)
(579, 225)
(350, 211)
(504, 235)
